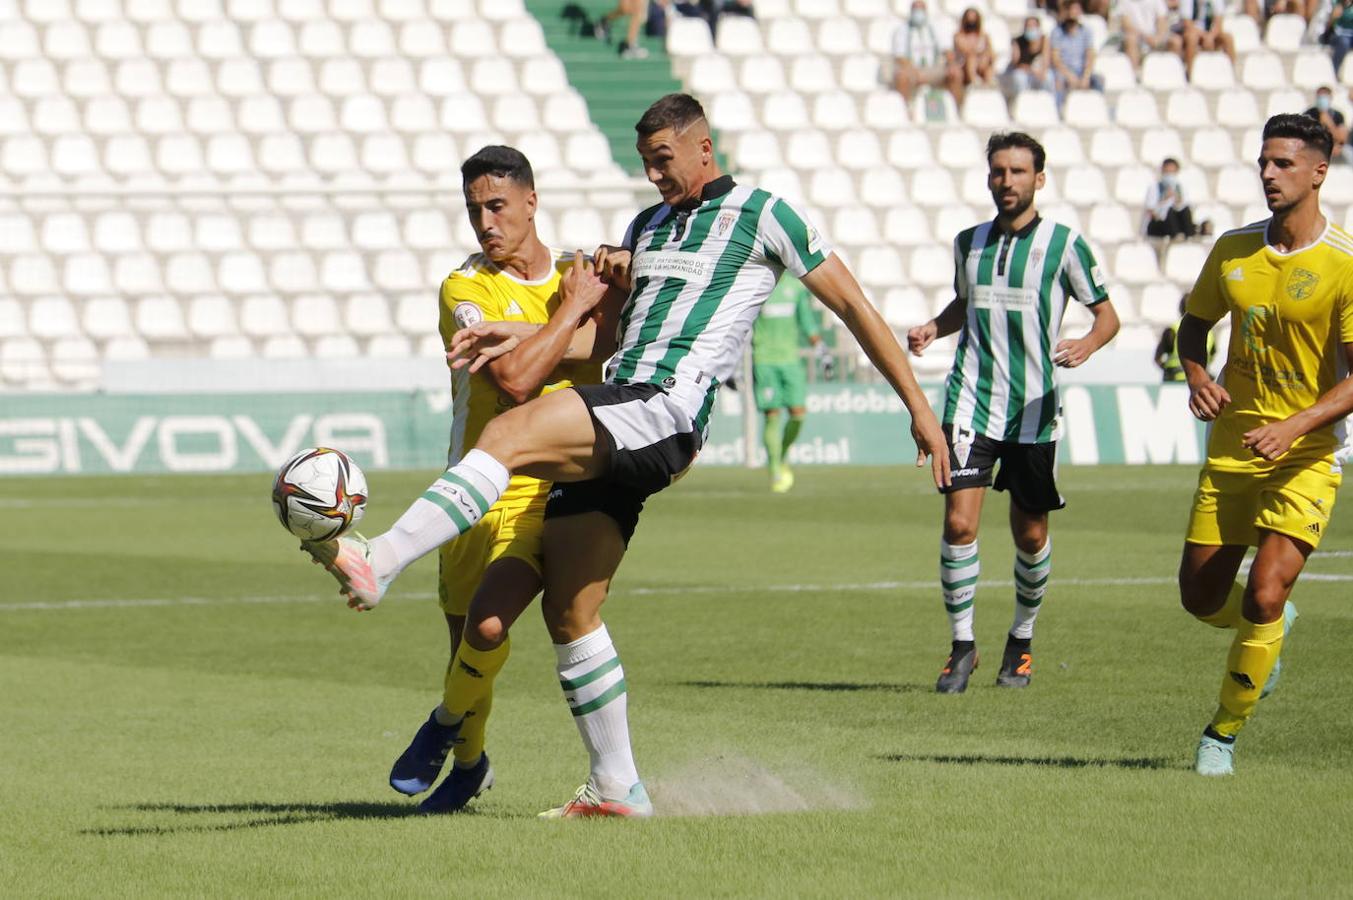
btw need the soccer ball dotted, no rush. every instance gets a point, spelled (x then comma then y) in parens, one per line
(319, 493)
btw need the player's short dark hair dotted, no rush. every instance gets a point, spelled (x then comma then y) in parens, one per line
(1303, 128)
(1008, 140)
(501, 162)
(675, 111)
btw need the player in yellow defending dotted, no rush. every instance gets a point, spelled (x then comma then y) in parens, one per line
(1271, 475)
(490, 575)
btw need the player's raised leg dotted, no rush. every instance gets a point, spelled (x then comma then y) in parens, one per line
(582, 553)
(1033, 567)
(959, 571)
(551, 437)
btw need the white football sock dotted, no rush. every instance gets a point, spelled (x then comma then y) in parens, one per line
(449, 508)
(1031, 583)
(959, 568)
(594, 686)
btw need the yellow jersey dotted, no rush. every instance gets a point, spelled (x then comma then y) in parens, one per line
(1290, 314)
(479, 291)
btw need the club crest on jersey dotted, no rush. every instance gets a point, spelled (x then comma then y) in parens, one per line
(1035, 258)
(724, 222)
(1301, 284)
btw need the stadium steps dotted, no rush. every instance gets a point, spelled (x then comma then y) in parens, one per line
(617, 91)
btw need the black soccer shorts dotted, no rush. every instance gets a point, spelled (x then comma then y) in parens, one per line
(1027, 471)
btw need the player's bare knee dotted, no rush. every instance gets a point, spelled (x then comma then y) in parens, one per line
(1265, 600)
(488, 633)
(959, 528)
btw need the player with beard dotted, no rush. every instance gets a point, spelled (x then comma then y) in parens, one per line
(1013, 277)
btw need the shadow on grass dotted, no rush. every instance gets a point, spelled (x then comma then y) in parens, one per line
(261, 815)
(826, 686)
(1060, 762)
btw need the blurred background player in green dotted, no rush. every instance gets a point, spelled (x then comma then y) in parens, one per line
(780, 373)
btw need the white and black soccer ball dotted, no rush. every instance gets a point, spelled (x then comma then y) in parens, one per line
(319, 493)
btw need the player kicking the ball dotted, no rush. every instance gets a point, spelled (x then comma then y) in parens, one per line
(1271, 477)
(1013, 277)
(697, 268)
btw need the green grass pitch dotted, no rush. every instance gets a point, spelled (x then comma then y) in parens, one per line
(189, 709)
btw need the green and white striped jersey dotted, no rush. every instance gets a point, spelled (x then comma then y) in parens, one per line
(699, 276)
(1016, 287)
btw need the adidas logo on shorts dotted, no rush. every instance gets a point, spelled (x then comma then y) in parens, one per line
(1314, 528)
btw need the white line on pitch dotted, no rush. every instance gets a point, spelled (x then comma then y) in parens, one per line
(135, 602)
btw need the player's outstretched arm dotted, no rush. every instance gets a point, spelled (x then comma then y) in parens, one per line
(1276, 438)
(1074, 351)
(1206, 398)
(522, 368)
(832, 283)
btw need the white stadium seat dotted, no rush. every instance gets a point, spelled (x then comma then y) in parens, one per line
(985, 108)
(1184, 260)
(1213, 71)
(1313, 69)
(1086, 110)
(1110, 223)
(1137, 109)
(1135, 263)
(1112, 147)
(1187, 108)
(1212, 148)
(1284, 32)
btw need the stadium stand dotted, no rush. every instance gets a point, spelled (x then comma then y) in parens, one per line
(279, 178)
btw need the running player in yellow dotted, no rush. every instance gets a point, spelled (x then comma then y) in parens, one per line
(490, 575)
(1271, 475)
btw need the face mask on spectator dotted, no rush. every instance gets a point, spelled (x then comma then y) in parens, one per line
(917, 17)
(1169, 181)
(1322, 102)
(1032, 34)
(969, 24)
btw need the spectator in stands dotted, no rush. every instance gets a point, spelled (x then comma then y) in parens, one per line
(1341, 32)
(1072, 51)
(737, 8)
(1145, 26)
(1029, 67)
(1203, 31)
(1307, 9)
(660, 11)
(635, 11)
(1333, 120)
(919, 60)
(972, 50)
(1168, 213)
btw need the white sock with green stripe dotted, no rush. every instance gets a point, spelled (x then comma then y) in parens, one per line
(959, 568)
(594, 686)
(448, 508)
(1031, 582)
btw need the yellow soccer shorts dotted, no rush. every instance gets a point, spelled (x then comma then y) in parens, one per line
(508, 531)
(1232, 507)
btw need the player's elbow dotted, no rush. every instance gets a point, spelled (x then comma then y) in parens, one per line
(517, 393)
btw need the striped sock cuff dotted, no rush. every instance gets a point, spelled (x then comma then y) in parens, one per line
(594, 683)
(1032, 571)
(467, 490)
(959, 570)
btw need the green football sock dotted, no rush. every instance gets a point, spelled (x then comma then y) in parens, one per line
(770, 437)
(792, 429)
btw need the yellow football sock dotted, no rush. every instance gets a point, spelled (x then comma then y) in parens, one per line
(469, 693)
(1229, 615)
(1253, 653)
